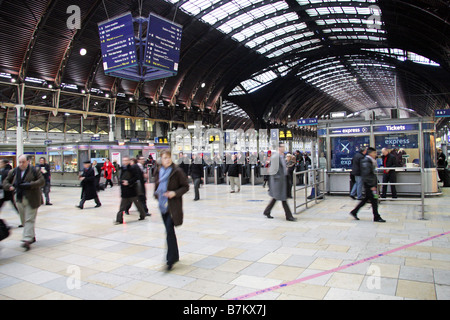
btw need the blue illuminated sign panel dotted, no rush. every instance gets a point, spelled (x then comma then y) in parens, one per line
(162, 50)
(396, 127)
(307, 122)
(117, 43)
(442, 113)
(350, 130)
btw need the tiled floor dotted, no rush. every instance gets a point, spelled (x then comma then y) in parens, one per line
(228, 249)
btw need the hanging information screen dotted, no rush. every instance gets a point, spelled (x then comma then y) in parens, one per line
(162, 50)
(117, 43)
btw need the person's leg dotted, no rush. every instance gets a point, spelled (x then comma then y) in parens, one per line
(97, 201)
(269, 208)
(30, 220)
(238, 182)
(196, 188)
(384, 188)
(47, 193)
(393, 179)
(172, 245)
(232, 183)
(359, 187)
(140, 208)
(21, 210)
(287, 211)
(354, 212)
(124, 204)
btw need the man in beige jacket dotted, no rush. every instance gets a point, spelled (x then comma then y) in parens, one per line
(26, 182)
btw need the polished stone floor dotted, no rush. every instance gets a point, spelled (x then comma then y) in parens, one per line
(229, 249)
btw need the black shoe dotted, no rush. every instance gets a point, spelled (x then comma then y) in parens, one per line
(196, 199)
(49, 204)
(99, 205)
(80, 207)
(379, 219)
(170, 265)
(353, 214)
(26, 245)
(148, 214)
(268, 215)
(291, 219)
(127, 213)
(353, 197)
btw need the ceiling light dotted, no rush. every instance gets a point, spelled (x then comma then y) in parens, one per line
(203, 85)
(83, 51)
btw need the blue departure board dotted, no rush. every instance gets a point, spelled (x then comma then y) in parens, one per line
(162, 50)
(118, 43)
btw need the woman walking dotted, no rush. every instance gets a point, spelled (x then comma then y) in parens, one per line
(170, 185)
(109, 169)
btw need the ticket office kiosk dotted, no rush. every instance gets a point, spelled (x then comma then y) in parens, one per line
(414, 138)
(66, 160)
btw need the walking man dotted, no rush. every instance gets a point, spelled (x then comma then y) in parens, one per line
(88, 187)
(26, 182)
(369, 178)
(128, 191)
(196, 173)
(278, 184)
(234, 171)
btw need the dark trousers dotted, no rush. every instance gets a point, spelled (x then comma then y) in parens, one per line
(143, 200)
(46, 190)
(389, 177)
(108, 181)
(287, 210)
(369, 197)
(83, 200)
(126, 203)
(2, 201)
(172, 245)
(197, 182)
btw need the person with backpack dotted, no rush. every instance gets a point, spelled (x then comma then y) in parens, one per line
(26, 182)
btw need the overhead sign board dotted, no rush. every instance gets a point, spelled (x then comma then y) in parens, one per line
(350, 130)
(307, 122)
(117, 43)
(162, 50)
(396, 127)
(442, 113)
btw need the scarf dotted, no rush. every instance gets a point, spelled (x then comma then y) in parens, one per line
(164, 174)
(18, 182)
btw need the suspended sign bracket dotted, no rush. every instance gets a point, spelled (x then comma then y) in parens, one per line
(145, 57)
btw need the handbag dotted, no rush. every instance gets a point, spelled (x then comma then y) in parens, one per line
(4, 230)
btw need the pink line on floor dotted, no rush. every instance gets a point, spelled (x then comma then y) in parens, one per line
(313, 276)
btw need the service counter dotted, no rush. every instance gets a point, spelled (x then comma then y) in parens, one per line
(412, 139)
(338, 182)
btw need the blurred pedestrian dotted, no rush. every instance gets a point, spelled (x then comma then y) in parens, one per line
(88, 188)
(278, 184)
(170, 185)
(26, 182)
(369, 178)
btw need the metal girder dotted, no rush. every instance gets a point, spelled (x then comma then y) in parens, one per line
(37, 30)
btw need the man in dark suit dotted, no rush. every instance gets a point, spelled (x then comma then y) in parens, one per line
(88, 186)
(45, 170)
(196, 173)
(389, 161)
(128, 191)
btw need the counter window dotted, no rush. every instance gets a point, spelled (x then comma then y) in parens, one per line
(406, 146)
(344, 148)
(55, 161)
(70, 161)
